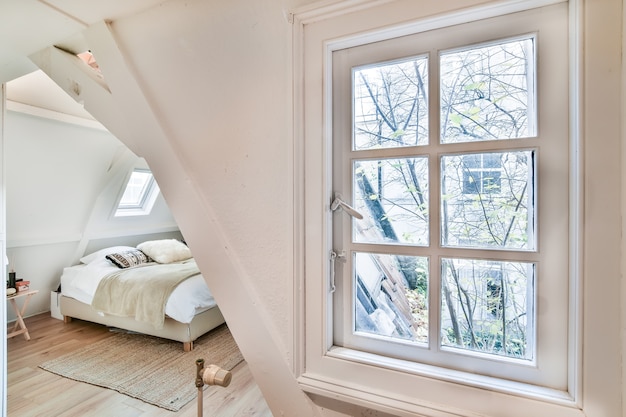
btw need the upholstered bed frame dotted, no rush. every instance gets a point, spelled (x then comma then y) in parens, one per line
(172, 329)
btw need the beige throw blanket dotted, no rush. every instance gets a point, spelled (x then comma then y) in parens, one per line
(142, 292)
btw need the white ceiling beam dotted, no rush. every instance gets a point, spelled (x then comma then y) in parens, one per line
(232, 286)
(130, 101)
(27, 26)
(84, 85)
(53, 115)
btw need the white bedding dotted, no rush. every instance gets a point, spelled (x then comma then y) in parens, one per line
(189, 298)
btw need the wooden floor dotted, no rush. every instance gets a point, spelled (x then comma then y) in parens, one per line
(38, 393)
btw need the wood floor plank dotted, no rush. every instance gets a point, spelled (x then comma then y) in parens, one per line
(33, 392)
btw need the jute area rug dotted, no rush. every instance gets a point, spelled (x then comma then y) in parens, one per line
(151, 369)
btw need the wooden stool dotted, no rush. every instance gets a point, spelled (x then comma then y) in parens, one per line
(19, 323)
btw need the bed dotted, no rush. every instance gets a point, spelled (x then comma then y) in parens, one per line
(154, 288)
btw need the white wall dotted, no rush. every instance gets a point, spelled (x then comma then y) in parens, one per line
(55, 168)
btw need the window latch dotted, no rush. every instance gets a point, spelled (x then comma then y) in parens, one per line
(339, 203)
(341, 256)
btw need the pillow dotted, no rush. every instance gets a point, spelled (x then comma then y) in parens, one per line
(102, 253)
(165, 251)
(128, 258)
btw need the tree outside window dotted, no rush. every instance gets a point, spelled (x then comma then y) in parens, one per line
(485, 199)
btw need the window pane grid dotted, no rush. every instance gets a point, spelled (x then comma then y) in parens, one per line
(468, 202)
(543, 360)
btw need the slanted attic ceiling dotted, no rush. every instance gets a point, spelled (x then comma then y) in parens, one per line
(28, 26)
(38, 90)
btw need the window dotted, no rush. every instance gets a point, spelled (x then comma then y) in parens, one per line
(440, 156)
(405, 373)
(139, 195)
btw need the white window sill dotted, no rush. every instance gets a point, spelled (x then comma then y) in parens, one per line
(359, 378)
(455, 376)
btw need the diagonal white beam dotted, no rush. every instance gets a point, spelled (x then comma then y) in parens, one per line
(85, 86)
(254, 332)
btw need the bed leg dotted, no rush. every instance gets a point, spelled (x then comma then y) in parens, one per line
(67, 319)
(187, 346)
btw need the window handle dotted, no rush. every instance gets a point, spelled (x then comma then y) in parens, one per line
(334, 256)
(339, 203)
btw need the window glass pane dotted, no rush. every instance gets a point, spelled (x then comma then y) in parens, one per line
(136, 189)
(392, 195)
(390, 105)
(487, 306)
(487, 92)
(487, 200)
(391, 296)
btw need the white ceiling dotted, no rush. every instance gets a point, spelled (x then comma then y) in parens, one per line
(38, 90)
(28, 26)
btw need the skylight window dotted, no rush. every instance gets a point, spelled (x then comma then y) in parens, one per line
(139, 196)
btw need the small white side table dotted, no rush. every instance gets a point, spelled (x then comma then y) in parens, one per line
(19, 323)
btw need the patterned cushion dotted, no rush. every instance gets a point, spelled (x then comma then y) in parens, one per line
(128, 258)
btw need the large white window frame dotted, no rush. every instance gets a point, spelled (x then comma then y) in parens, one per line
(340, 374)
(549, 364)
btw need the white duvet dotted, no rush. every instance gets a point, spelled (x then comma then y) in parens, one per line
(189, 298)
